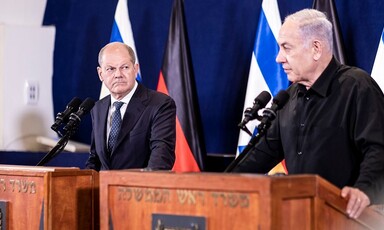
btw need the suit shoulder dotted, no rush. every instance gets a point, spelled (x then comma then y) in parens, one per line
(103, 100)
(159, 95)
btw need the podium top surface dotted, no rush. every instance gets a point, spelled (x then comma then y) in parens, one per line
(36, 168)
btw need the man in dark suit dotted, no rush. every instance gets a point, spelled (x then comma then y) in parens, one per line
(133, 127)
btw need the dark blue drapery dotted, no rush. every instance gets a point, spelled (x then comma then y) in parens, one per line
(221, 35)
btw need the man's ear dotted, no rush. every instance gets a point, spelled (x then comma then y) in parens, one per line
(317, 48)
(99, 70)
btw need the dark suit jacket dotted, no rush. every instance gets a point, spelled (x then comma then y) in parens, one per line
(146, 138)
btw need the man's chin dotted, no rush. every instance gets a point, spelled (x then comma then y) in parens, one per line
(291, 78)
(120, 87)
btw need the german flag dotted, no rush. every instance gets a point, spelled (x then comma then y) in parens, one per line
(177, 80)
(328, 7)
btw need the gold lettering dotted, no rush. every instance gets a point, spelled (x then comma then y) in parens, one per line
(3, 185)
(190, 197)
(138, 194)
(156, 195)
(148, 195)
(244, 201)
(167, 195)
(24, 185)
(161, 196)
(214, 196)
(33, 187)
(12, 182)
(182, 196)
(16, 185)
(124, 193)
(17, 182)
(224, 198)
(232, 200)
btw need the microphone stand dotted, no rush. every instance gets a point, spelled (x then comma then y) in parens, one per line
(58, 148)
(262, 129)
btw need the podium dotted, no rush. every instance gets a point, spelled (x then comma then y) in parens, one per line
(33, 197)
(166, 200)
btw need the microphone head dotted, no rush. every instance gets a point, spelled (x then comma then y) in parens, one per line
(74, 103)
(61, 117)
(281, 99)
(263, 99)
(75, 118)
(87, 105)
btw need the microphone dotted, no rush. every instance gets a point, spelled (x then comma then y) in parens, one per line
(75, 118)
(269, 114)
(62, 117)
(252, 113)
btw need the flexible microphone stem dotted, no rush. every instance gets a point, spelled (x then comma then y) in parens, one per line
(70, 128)
(247, 148)
(245, 129)
(58, 148)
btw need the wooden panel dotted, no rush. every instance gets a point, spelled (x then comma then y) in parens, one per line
(70, 200)
(136, 197)
(223, 210)
(25, 195)
(292, 209)
(49, 198)
(227, 201)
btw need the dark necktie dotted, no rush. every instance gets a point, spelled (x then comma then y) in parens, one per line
(115, 125)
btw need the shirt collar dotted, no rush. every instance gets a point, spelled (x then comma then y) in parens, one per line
(128, 97)
(323, 83)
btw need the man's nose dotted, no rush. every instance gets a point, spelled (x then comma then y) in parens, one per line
(118, 72)
(279, 58)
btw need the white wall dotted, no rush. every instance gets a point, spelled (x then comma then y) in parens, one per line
(26, 67)
(22, 12)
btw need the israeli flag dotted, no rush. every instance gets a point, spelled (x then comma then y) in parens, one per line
(265, 74)
(378, 66)
(122, 32)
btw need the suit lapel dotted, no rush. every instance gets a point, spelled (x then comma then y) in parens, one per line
(134, 110)
(101, 122)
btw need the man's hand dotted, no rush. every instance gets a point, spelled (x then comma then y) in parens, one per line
(357, 201)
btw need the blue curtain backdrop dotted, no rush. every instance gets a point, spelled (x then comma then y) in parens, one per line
(221, 35)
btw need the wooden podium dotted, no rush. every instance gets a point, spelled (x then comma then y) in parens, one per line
(166, 200)
(33, 197)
